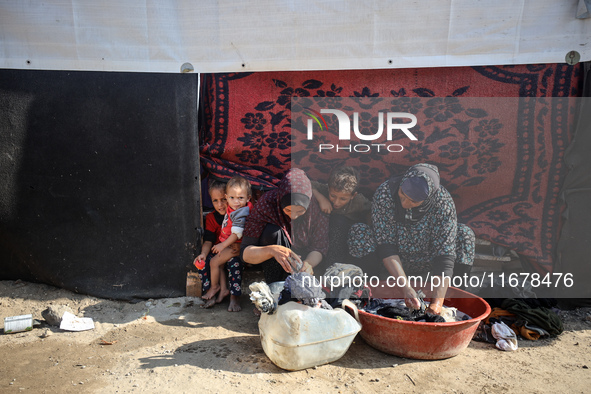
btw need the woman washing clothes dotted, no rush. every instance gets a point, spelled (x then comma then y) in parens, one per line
(285, 219)
(415, 232)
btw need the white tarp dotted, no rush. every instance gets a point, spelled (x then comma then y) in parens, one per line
(256, 35)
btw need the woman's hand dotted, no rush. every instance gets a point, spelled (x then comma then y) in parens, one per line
(434, 307)
(411, 299)
(438, 296)
(307, 268)
(394, 267)
(281, 255)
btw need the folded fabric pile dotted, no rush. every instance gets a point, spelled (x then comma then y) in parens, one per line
(529, 318)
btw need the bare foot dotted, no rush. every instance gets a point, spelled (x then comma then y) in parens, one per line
(211, 293)
(223, 294)
(209, 303)
(234, 304)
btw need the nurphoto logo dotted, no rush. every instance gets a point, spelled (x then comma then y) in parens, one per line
(394, 124)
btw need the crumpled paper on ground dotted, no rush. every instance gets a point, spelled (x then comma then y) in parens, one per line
(71, 322)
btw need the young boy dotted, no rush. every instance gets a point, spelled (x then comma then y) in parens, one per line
(227, 250)
(346, 207)
(213, 228)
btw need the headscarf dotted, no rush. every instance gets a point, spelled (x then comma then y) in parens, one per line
(310, 231)
(416, 188)
(428, 173)
(293, 189)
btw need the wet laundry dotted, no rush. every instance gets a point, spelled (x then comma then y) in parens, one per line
(397, 309)
(398, 313)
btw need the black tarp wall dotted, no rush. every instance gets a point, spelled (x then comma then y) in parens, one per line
(99, 181)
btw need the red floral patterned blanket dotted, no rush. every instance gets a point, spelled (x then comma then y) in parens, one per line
(503, 167)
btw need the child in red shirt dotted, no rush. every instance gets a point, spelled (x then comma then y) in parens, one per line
(213, 221)
(227, 250)
(213, 228)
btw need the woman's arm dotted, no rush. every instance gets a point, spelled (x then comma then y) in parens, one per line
(394, 267)
(253, 254)
(444, 244)
(312, 260)
(438, 297)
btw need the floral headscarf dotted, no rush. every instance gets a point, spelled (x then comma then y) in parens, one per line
(295, 187)
(429, 173)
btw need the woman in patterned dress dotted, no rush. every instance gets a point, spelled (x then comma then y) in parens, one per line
(415, 232)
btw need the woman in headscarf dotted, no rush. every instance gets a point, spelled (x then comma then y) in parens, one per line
(416, 232)
(285, 219)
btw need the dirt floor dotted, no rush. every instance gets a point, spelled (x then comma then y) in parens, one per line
(173, 346)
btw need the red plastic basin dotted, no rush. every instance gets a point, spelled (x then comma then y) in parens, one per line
(420, 340)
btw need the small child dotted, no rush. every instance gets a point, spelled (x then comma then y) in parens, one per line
(346, 207)
(227, 250)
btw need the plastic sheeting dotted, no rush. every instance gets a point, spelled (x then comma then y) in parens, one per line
(227, 36)
(574, 247)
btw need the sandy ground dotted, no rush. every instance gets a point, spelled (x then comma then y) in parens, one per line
(173, 346)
